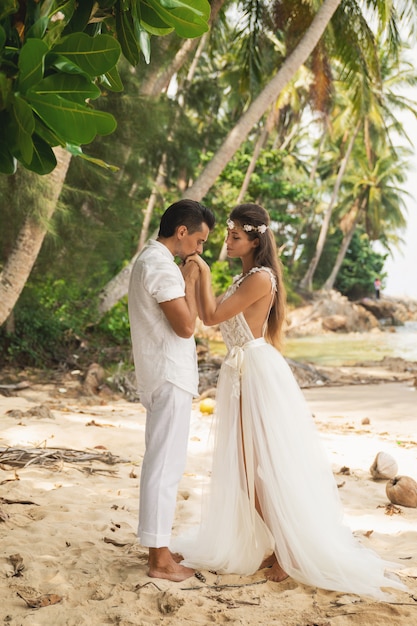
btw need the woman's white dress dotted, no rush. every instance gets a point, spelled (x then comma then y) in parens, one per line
(266, 443)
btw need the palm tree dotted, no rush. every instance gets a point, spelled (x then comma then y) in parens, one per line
(368, 106)
(264, 100)
(375, 200)
(20, 261)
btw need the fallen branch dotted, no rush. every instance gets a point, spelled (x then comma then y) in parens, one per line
(23, 457)
(220, 587)
(24, 384)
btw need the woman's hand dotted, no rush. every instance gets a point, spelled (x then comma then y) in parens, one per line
(190, 271)
(201, 264)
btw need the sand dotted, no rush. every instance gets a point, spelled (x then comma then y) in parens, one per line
(68, 525)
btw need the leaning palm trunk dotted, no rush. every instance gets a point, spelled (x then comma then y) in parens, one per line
(30, 238)
(158, 185)
(261, 104)
(307, 280)
(347, 238)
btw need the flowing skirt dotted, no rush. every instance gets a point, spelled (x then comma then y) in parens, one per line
(266, 445)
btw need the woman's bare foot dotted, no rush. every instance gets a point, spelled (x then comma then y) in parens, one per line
(162, 564)
(268, 561)
(275, 573)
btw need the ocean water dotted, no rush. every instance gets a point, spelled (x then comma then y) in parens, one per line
(339, 349)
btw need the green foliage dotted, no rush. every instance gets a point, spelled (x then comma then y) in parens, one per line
(46, 325)
(221, 276)
(114, 325)
(56, 57)
(55, 324)
(38, 340)
(359, 268)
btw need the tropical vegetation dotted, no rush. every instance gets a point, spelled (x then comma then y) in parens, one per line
(111, 110)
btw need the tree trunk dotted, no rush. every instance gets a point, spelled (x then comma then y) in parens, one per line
(29, 241)
(347, 238)
(307, 280)
(159, 183)
(261, 104)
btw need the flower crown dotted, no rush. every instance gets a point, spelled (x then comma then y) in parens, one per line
(248, 227)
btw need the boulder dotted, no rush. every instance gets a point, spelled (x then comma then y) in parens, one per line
(334, 322)
(382, 310)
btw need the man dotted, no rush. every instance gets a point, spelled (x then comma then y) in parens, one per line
(162, 313)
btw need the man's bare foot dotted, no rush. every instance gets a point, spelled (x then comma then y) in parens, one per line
(163, 565)
(177, 557)
(276, 574)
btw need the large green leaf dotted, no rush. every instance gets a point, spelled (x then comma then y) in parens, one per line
(39, 28)
(77, 88)
(142, 37)
(80, 16)
(126, 37)
(112, 80)
(153, 23)
(72, 122)
(189, 17)
(199, 7)
(47, 134)
(43, 159)
(61, 63)
(31, 63)
(94, 55)
(19, 129)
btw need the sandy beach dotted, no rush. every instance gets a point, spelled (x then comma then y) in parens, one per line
(69, 554)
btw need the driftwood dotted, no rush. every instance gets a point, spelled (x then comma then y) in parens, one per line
(23, 457)
(24, 384)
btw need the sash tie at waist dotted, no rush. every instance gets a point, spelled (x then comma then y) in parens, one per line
(235, 358)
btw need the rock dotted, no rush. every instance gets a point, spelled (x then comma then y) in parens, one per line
(402, 490)
(334, 322)
(325, 314)
(94, 379)
(383, 310)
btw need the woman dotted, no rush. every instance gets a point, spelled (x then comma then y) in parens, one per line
(272, 499)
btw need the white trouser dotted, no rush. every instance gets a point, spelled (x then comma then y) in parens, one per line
(168, 413)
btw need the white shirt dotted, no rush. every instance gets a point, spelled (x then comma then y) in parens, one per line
(159, 353)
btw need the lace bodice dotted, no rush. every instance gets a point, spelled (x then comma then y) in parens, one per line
(235, 331)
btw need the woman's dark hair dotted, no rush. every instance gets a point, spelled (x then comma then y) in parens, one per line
(266, 254)
(187, 213)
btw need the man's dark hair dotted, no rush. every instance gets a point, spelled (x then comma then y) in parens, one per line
(187, 213)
